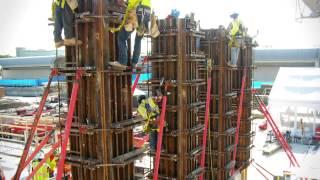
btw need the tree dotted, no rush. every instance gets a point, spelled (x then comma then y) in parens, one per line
(4, 56)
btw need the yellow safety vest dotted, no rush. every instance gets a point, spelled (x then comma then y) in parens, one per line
(52, 163)
(146, 3)
(236, 27)
(42, 173)
(60, 3)
(149, 116)
(134, 4)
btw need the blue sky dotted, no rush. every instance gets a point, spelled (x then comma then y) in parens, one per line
(24, 22)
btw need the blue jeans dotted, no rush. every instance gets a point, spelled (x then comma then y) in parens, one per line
(236, 50)
(123, 37)
(234, 55)
(153, 139)
(64, 18)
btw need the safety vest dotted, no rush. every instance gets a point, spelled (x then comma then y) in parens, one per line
(146, 3)
(236, 27)
(134, 4)
(149, 113)
(60, 3)
(42, 173)
(52, 163)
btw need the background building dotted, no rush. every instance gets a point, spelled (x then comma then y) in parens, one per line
(26, 67)
(268, 61)
(23, 52)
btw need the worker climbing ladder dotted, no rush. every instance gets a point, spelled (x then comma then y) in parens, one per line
(24, 161)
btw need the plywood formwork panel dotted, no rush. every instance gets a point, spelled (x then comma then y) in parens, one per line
(226, 84)
(101, 139)
(245, 131)
(222, 111)
(176, 59)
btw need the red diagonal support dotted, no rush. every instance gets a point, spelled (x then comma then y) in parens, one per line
(159, 141)
(265, 177)
(277, 133)
(38, 148)
(264, 169)
(205, 131)
(54, 147)
(23, 158)
(145, 59)
(243, 83)
(65, 140)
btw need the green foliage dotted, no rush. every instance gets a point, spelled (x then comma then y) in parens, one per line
(4, 56)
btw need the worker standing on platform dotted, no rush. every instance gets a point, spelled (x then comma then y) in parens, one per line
(236, 32)
(149, 111)
(137, 17)
(63, 15)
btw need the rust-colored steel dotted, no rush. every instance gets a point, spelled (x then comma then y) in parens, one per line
(224, 106)
(101, 138)
(176, 58)
(245, 133)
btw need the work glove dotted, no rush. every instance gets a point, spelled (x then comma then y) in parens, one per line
(154, 27)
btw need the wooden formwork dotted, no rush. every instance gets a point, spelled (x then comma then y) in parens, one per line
(101, 139)
(245, 133)
(176, 58)
(222, 111)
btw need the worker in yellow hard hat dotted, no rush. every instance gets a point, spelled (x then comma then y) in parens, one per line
(236, 32)
(137, 17)
(63, 16)
(149, 111)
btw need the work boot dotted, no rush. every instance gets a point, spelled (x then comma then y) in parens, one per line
(117, 65)
(231, 65)
(59, 44)
(72, 42)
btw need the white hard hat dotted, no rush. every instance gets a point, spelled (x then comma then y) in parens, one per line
(40, 155)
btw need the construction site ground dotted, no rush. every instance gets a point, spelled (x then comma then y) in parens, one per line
(277, 163)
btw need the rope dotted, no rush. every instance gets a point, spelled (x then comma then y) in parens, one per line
(209, 140)
(113, 30)
(148, 67)
(59, 106)
(148, 85)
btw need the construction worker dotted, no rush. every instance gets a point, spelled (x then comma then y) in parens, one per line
(149, 111)
(63, 15)
(236, 32)
(137, 17)
(43, 171)
(52, 162)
